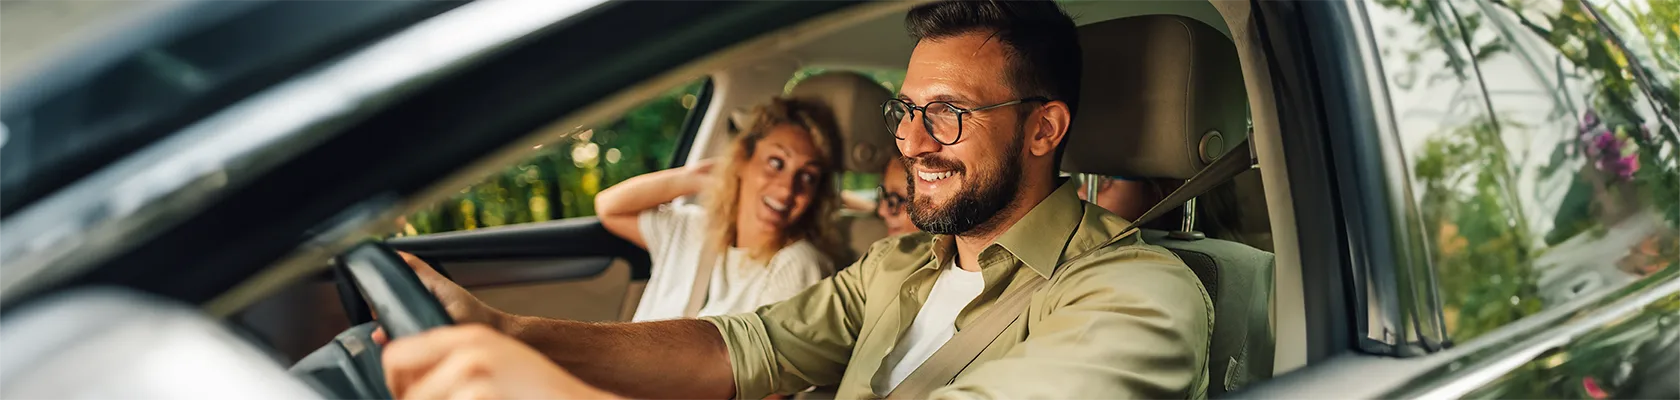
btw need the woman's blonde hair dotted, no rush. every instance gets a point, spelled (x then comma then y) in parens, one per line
(723, 200)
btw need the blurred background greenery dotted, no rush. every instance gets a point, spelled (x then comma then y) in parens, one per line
(561, 180)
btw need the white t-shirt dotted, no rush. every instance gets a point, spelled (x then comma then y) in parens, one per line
(934, 324)
(675, 236)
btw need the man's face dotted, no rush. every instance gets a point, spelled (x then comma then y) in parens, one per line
(961, 187)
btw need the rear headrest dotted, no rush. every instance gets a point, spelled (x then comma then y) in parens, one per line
(857, 107)
(1163, 96)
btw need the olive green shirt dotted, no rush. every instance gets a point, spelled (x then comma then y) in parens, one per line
(1127, 321)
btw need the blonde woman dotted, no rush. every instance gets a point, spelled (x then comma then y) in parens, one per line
(763, 229)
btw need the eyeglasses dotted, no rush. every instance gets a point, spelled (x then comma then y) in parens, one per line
(894, 202)
(941, 119)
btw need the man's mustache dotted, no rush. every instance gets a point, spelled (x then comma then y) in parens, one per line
(932, 162)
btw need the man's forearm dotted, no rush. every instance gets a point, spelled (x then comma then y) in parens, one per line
(664, 359)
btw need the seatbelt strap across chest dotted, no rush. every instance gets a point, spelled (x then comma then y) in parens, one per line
(702, 282)
(958, 352)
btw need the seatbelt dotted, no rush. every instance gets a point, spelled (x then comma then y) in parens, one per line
(1233, 163)
(702, 281)
(956, 354)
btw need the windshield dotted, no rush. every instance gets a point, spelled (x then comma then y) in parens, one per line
(119, 93)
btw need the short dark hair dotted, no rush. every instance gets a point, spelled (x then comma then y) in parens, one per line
(1040, 39)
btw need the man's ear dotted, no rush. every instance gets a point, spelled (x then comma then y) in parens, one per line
(1053, 120)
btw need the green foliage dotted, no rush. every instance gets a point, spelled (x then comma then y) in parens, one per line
(1484, 251)
(1484, 266)
(1620, 163)
(561, 179)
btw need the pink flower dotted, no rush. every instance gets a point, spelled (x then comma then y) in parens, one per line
(1608, 144)
(1593, 390)
(1621, 167)
(1589, 120)
(1628, 166)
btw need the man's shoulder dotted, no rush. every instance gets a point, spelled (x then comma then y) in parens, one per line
(1128, 259)
(1135, 267)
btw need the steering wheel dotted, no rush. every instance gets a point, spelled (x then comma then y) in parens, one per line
(392, 289)
(349, 367)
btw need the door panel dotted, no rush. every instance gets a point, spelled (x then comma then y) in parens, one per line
(561, 239)
(477, 274)
(597, 298)
(572, 269)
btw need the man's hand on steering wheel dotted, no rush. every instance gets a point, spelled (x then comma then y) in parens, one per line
(473, 359)
(460, 304)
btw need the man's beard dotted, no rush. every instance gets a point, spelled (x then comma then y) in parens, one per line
(979, 205)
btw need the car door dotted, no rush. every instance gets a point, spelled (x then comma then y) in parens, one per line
(1503, 179)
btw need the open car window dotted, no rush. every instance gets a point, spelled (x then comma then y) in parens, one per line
(559, 180)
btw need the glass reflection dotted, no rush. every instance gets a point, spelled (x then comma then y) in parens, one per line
(1543, 164)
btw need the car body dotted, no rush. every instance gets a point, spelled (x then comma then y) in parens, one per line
(202, 167)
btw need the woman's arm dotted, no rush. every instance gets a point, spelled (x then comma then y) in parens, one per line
(620, 206)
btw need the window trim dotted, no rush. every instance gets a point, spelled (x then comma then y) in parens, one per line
(1328, 315)
(692, 122)
(1392, 291)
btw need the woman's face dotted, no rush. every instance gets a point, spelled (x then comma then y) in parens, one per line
(779, 182)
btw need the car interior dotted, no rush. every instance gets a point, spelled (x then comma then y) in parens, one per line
(1191, 115)
(1169, 87)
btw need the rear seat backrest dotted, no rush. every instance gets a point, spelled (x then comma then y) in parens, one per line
(1163, 96)
(856, 100)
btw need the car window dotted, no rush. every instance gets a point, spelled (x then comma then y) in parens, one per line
(1542, 171)
(859, 183)
(560, 180)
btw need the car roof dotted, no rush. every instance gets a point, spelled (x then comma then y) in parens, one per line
(882, 41)
(164, 67)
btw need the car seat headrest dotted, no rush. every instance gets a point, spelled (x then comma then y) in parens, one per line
(1163, 96)
(856, 100)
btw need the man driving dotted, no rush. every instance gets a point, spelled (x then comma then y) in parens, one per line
(1015, 289)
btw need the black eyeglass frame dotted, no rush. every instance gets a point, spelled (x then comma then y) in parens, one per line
(927, 125)
(894, 202)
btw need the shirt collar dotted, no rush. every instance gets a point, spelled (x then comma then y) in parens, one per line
(1038, 239)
